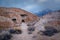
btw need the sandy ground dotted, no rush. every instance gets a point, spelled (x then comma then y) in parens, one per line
(24, 35)
(33, 36)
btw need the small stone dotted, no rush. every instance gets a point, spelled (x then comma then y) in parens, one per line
(31, 29)
(7, 37)
(15, 31)
(29, 32)
(34, 36)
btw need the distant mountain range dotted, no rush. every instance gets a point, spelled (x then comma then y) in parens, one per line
(41, 13)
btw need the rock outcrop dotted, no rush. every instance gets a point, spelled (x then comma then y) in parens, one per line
(16, 16)
(14, 21)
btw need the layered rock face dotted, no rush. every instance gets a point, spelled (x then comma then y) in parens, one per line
(15, 16)
(11, 17)
(26, 16)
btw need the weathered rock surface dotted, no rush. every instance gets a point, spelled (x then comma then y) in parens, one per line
(16, 16)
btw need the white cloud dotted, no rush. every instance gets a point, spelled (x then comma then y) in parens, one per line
(57, 0)
(29, 7)
(41, 1)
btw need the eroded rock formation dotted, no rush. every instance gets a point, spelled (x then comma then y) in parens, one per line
(16, 16)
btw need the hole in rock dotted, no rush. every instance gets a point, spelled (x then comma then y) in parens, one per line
(23, 21)
(14, 19)
(23, 15)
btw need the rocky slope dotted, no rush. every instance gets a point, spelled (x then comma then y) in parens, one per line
(16, 16)
(49, 26)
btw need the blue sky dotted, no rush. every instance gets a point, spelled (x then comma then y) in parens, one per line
(31, 5)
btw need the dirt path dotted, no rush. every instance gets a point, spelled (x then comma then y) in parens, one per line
(24, 35)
